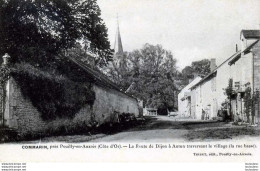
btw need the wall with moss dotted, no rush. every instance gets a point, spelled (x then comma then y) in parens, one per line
(26, 119)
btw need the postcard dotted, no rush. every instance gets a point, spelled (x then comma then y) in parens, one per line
(129, 81)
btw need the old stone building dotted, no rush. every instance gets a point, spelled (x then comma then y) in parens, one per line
(203, 96)
(238, 72)
(245, 72)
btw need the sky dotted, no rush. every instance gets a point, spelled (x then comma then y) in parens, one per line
(191, 29)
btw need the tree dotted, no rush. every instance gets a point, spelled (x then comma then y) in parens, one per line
(120, 71)
(35, 31)
(149, 74)
(200, 68)
(38, 35)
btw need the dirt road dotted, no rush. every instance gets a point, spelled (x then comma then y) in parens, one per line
(164, 129)
(169, 129)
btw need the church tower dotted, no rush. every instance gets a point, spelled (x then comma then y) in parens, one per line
(118, 47)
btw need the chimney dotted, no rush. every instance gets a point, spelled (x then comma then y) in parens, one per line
(236, 48)
(213, 64)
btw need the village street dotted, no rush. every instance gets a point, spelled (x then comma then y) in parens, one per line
(170, 129)
(165, 129)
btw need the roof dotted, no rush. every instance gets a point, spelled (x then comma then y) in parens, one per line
(214, 72)
(100, 78)
(193, 82)
(250, 34)
(238, 56)
(118, 47)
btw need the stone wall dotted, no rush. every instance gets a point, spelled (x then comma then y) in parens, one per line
(108, 101)
(21, 115)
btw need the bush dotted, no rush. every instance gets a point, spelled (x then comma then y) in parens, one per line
(67, 127)
(126, 117)
(7, 134)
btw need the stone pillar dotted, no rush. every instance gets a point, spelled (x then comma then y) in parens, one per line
(6, 96)
(6, 59)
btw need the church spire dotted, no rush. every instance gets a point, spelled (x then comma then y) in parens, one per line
(118, 47)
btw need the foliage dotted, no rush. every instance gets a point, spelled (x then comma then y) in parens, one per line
(4, 76)
(37, 35)
(35, 31)
(200, 68)
(248, 102)
(126, 117)
(149, 74)
(79, 52)
(229, 89)
(52, 94)
(251, 102)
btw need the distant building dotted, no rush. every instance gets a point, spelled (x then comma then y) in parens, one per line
(118, 56)
(150, 112)
(184, 99)
(118, 48)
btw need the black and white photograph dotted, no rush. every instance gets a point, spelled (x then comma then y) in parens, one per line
(131, 73)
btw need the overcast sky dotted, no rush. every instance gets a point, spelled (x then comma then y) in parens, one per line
(190, 29)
